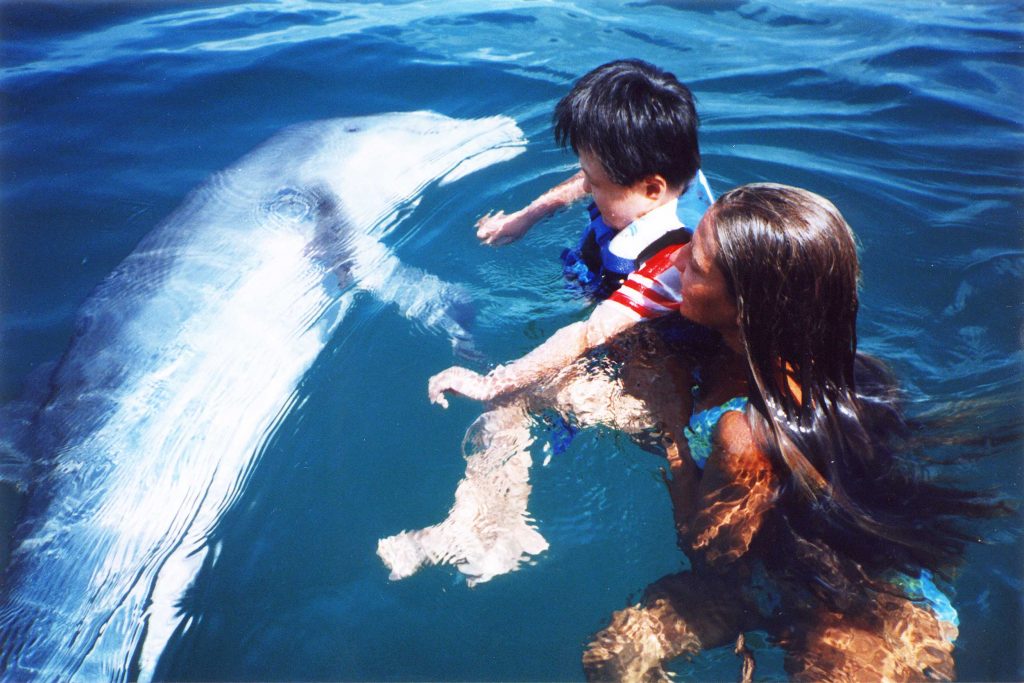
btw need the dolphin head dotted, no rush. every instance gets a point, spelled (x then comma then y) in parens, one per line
(373, 164)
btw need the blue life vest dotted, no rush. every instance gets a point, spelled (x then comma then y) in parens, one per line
(596, 270)
(593, 268)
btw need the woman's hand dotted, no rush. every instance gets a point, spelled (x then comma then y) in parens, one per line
(500, 228)
(681, 485)
(458, 381)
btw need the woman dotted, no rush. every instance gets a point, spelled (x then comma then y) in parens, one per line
(790, 495)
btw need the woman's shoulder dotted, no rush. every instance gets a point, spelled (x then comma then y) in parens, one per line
(736, 443)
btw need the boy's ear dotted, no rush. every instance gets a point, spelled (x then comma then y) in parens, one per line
(655, 186)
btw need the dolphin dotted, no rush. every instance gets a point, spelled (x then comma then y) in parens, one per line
(185, 359)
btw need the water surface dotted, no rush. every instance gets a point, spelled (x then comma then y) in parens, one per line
(906, 115)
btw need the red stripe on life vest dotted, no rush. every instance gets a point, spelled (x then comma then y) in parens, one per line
(637, 307)
(649, 294)
(661, 261)
(638, 297)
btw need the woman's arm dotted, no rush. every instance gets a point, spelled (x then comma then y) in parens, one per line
(683, 483)
(737, 489)
(648, 293)
(501, 228)
(561, 349)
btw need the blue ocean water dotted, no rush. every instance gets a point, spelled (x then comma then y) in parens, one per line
(907, 115)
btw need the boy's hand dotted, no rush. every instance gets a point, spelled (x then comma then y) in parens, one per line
(499, 228)
(458, 381)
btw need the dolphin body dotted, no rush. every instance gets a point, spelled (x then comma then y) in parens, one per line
(186, 358)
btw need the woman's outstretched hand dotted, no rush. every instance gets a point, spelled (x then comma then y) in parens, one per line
(500, 228)
(458, 381)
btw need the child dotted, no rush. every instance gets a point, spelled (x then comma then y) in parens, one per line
(634, 128)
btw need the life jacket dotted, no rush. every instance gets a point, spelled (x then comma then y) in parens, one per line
(594, 269)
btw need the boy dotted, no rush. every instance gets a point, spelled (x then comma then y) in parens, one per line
(634, 128)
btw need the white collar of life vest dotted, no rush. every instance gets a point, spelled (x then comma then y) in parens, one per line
(684, 211)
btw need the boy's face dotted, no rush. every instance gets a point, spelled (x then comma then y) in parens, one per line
(619, 205)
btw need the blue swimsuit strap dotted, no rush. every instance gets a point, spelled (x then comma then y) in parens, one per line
(700, 431)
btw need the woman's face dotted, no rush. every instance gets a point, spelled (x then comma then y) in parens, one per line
(705, 294)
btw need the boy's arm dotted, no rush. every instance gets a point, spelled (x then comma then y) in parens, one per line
(561, 349)
(501, 228)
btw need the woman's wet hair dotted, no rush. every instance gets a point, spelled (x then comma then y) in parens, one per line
(855, 505)
(637, 119)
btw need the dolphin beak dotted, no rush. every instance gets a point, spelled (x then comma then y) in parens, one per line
(506, 141)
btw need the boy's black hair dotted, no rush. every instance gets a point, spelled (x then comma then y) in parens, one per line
(636, 119)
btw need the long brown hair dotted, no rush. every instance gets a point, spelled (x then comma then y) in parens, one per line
(854, 503)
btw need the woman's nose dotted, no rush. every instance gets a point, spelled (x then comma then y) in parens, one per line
(680, 257)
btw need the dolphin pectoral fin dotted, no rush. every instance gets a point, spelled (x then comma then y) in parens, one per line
(438, 306)
(531, 540)
(455, 315)
(164, 613)
(466, 350)
(447, 308)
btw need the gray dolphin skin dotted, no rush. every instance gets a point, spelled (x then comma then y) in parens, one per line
(186, 358)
